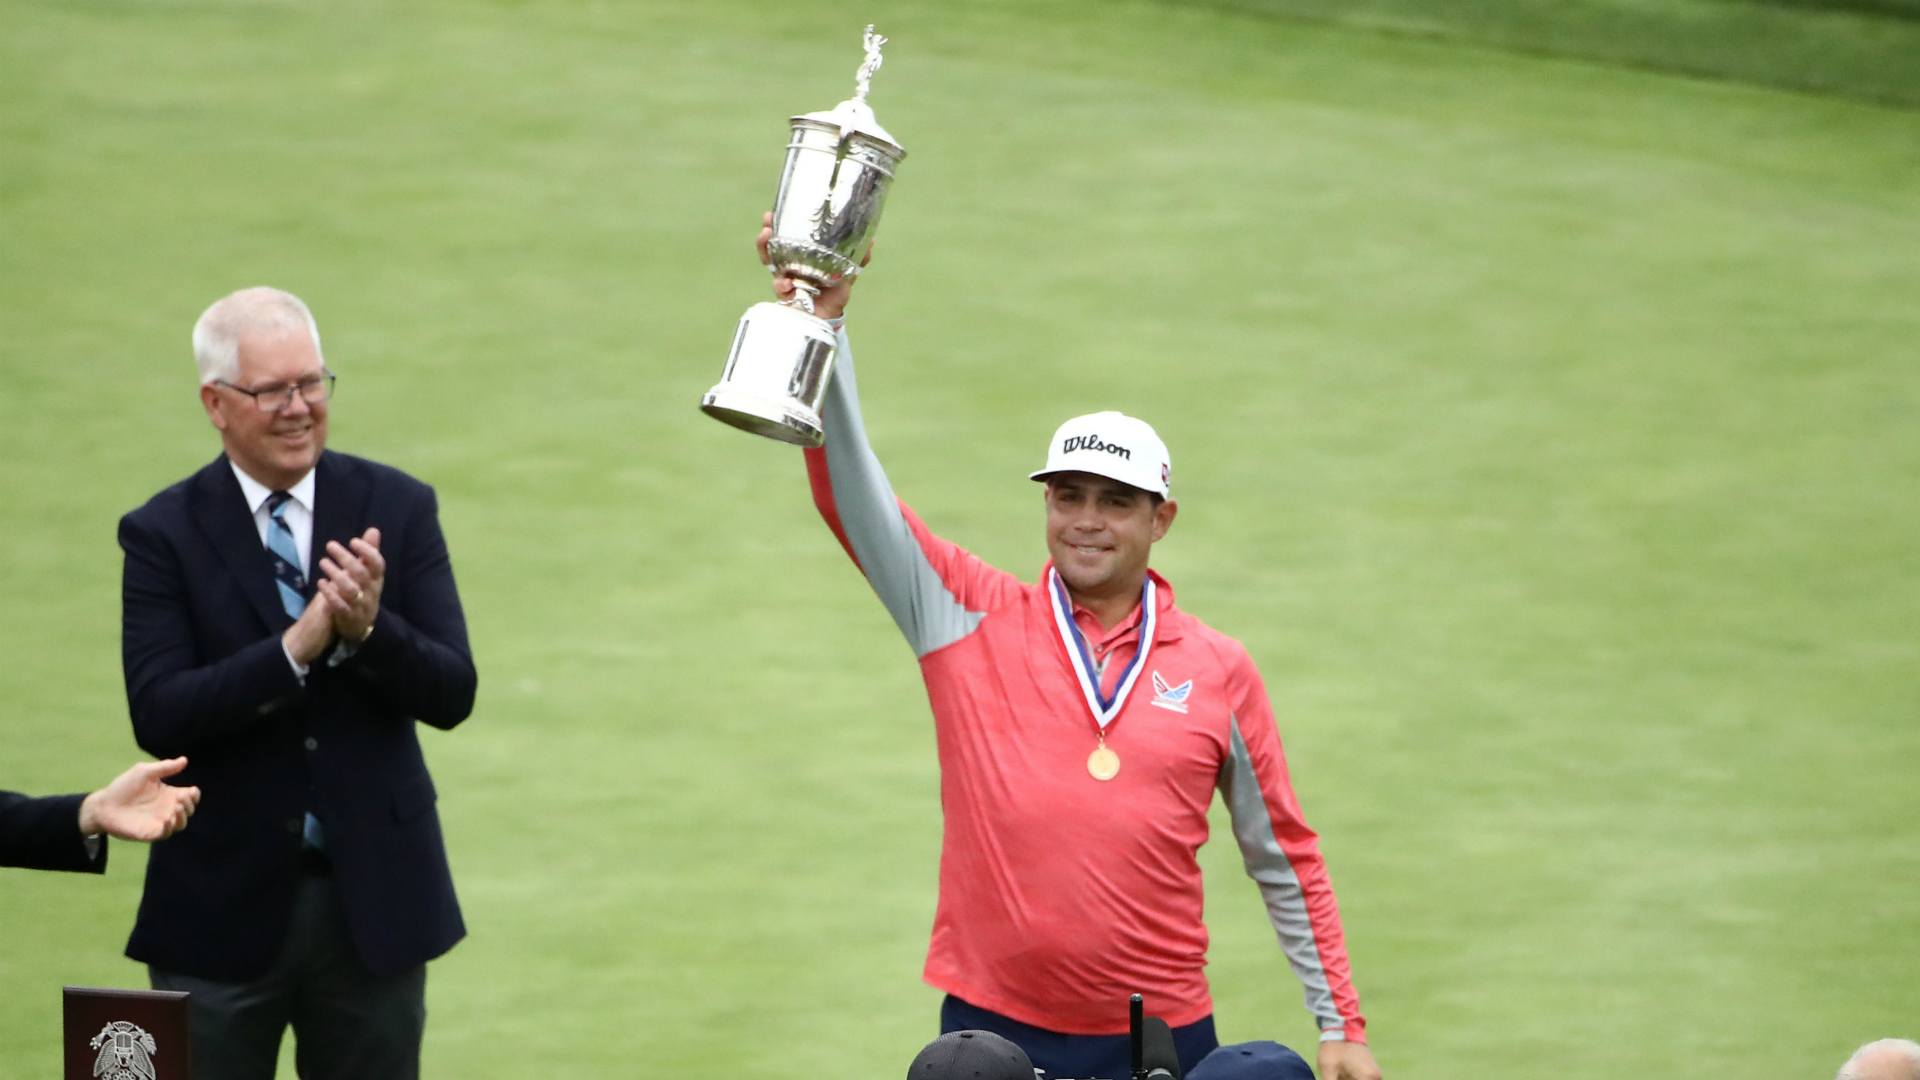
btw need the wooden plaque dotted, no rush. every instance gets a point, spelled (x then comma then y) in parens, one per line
(125, 1034)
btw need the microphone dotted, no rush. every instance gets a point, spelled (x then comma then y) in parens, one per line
(1150, 1041)
(1158, 1056)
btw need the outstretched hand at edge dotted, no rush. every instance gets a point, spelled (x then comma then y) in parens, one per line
(139, 805)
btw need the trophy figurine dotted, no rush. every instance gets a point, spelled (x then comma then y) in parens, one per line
(839, 166)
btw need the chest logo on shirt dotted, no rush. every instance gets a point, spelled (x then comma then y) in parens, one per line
(1171, 698)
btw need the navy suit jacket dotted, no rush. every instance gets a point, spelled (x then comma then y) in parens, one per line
(44, 834)
(207, 677)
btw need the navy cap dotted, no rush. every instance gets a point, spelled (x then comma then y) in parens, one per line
(1262, 1060)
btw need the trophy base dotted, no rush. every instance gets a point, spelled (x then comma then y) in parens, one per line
(786, 421)
(776, 375)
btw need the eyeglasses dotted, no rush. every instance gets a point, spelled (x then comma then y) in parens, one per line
(314, 389)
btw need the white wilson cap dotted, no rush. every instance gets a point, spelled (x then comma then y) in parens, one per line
(1113, 445)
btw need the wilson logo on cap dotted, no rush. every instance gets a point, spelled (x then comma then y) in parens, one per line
(1094, 444)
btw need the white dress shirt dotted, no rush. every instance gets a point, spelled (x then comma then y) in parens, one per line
(299, 518)
(298, 515)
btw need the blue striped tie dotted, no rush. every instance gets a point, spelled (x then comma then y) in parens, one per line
(293, 596)
(286, 556)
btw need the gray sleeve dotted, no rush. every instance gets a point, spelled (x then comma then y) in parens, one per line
(860, 504)
(1280, 887)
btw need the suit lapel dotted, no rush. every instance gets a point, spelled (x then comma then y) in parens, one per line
(339, 505)
(220, 512)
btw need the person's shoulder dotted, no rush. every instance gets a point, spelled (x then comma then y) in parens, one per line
(1198, 631)
(374, 474)
(1187, 622)
(174, 499)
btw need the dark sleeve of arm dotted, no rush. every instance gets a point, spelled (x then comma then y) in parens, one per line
(417, 660)
(178, 702)
(44, 834)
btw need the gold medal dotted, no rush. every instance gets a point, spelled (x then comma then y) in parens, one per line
(1103, 764)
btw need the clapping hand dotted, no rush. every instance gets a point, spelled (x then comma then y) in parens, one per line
(355, 573)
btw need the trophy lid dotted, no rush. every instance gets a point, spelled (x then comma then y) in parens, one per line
(854, 116)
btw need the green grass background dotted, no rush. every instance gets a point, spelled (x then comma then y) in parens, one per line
(1544, 423)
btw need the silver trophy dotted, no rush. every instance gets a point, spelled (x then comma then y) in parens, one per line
(839, 166)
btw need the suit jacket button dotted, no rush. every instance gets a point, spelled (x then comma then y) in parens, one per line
(313, 743)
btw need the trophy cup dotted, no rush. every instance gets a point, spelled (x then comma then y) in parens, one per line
(839, 166)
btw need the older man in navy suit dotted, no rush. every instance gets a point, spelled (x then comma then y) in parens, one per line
(289, 614)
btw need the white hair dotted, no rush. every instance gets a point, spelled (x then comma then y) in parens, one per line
(216, 336)
(1906, 1051)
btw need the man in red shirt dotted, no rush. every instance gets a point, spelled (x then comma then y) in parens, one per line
(1084, 723)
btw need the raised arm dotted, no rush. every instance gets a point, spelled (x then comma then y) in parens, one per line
(936, 591)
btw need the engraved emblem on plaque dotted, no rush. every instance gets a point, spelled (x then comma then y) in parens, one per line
(126, 1052)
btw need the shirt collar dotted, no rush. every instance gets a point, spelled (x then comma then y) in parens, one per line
(1164, 629)
(1098, 635)
(256, 492)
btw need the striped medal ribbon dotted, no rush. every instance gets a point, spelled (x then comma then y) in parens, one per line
(1103, 763)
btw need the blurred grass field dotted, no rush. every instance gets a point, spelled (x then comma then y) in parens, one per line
(1545, 427)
